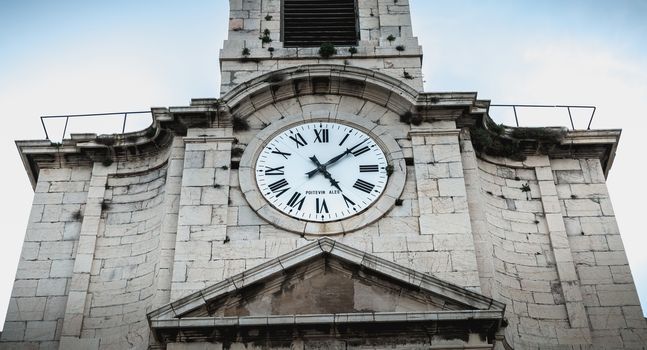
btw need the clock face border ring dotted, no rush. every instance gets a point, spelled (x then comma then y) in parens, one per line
(379, 208)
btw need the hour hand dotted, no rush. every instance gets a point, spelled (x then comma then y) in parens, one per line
(319, 168)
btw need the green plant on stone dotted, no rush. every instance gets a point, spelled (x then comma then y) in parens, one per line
(327, 49)
(416, 119)
(389, 170)
(546, 135)
(407, 75)
(406, 117)
(268, 17)
(352, 50)
(400, 47)
(525, 188)
(239, 124)
(390, 38)
(237, 152)
(265, 38)
(246, 52)
(77, 215)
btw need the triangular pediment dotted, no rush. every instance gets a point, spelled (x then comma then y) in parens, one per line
(325, 278)
(325, 284)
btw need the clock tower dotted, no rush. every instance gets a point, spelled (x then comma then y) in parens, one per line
(324, 201)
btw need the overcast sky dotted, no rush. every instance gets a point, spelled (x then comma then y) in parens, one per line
(66, 57)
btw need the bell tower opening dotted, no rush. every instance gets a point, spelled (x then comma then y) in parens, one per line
(309, 23)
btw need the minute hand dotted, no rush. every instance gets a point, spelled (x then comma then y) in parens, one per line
(334, 159)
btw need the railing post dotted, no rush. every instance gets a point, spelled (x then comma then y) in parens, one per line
(514, 108)
(67, 119)
(44, 128)
(570, 117)
(123, 128)
(588, 127)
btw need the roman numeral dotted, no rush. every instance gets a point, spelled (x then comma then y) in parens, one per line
(277, 187)
(321, 135)
(275, 171)
(321, 206)
(348, 201)
(363, 186)
(285, 155)
(294, 200)
(299, 140)
(344, 139)
(368, 169)
(360, 151)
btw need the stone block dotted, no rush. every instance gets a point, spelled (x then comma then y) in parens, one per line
(246, 217)
(198, 177)
(38, 232)
(61, 268)
(13, 332)
(277, 247)
(547, 312)
(33, 269)
(40, 330)
(56, 250)
(594, 274)
(26, 309)
(398, 225)
(453, 187)
(618, 297)
(606, 318)
(391, 244)
(445, 223)
(51, 286)
(611, 258)
(74, 343)
(55, 308)
(239, 250)
(195, 215)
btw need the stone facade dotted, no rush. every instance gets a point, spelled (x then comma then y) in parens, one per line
(120, 229)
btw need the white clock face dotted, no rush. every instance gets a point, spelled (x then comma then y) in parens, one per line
(321, 171)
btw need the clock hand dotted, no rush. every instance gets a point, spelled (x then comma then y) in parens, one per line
(322, 169)
(333, 159)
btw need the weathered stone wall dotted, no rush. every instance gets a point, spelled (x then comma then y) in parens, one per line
(529, 221)
(607, 286)
(126, 256)
(37, 305)
(378, 19)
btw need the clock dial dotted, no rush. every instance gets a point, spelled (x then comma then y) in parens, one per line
(321, 171)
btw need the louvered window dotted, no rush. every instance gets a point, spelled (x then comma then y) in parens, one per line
(309, 23)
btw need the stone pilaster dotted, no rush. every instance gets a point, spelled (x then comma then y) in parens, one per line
(564, 261)
(202, 220)
(443, 201)
(169, 222)
(478, 219)
(78, 293)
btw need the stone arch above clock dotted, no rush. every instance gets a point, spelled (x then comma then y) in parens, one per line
(332, 94)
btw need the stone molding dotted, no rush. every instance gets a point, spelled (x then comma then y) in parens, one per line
(325, 246)
(172, 317)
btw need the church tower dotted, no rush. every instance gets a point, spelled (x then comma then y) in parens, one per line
(324, 201)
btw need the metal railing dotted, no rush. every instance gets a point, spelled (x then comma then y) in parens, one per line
(568, 109)
(69, 116)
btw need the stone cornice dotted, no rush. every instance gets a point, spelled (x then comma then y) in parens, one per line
(461, 107)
